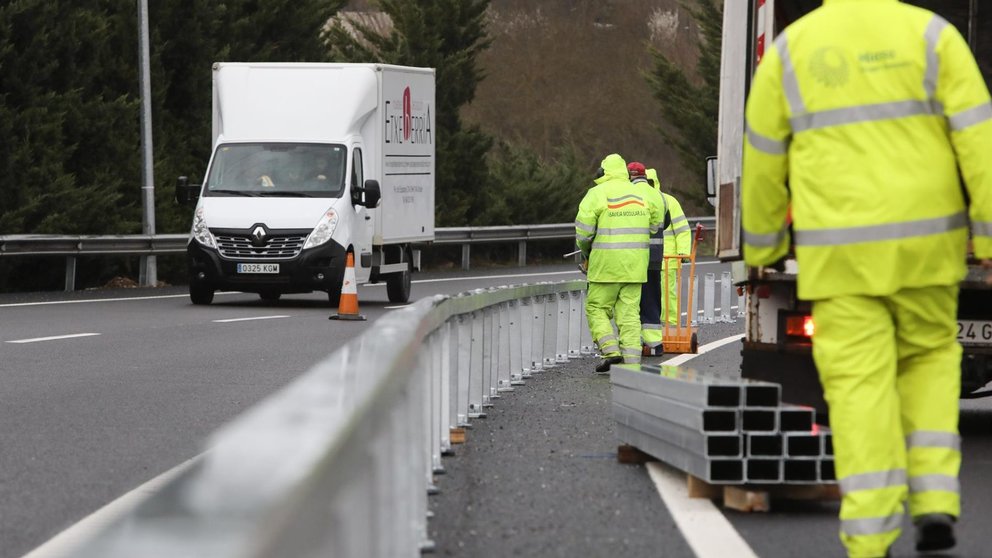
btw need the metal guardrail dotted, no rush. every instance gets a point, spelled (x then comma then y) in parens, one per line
(340, 462)
(73, 246)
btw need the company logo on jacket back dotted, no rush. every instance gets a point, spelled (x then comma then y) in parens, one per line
(626, 206)
(412, 124)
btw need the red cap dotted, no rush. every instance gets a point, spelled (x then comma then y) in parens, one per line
(635, 169)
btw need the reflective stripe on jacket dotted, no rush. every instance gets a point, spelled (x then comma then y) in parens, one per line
(678, 235)
(869, 129)
(614, 224)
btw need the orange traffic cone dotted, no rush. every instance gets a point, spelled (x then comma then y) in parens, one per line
(348, 303)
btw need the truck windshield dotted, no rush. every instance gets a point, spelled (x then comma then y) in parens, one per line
(278, 169)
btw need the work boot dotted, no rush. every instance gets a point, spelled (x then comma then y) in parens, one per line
(934, 531)
(652, 351)
(604, 365)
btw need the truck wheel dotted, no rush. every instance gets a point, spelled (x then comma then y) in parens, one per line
(200, 294)
(398, 285)
(270, 296)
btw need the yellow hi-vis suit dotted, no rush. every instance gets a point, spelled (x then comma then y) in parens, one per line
(652, 291)
(678, 240)
(870, 128)
(612, 228)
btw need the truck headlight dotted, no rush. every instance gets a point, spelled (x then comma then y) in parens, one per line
(323, 231)
(200, 232)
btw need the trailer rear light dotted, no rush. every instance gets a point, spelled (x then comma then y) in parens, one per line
(800, 326)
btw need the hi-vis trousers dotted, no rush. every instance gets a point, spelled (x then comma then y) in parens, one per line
(651, 301)
(891, 372)
(672, 312)
(622, 302)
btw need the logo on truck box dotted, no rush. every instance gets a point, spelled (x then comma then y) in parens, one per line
(412, 125)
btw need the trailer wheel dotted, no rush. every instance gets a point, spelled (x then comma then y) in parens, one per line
(398, 284)
(200, 294)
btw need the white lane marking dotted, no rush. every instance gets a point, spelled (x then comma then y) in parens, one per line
(395, 307)
(70, 541)
(680, 359)
(232, 320)
(715, 310)
(128, 299)
(704, 527)
(53, 338)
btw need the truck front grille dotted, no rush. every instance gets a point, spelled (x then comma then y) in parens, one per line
(277, 247)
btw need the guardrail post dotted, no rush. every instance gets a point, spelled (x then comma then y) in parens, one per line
(709, 286)
(550, 330)
(564, 312)
(522, 253)
(725, 284)
(488, 383)
(437, 404)
(574, 324)
(515, 357)
(70, 274)
(588, 347)
(464, 368)
(466, 256)
(526, 336)
(694, 311)
(503, 370)
(476, 386)
(449, 397)
(537, 345)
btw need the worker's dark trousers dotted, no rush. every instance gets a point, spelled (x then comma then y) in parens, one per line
(651, 326)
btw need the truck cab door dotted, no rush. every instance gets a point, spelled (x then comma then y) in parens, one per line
(363, 225)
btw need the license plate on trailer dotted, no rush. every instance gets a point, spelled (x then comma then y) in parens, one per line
(258, 268)
(975, 332)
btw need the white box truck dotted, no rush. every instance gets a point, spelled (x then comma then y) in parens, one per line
(312, 162)
(778, 326)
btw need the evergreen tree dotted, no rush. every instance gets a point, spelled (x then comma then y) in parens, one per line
(447, 35)
(70, 109)
(188, 36)
(691, 111)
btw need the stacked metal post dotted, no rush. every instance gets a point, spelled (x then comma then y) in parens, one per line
(722, 430)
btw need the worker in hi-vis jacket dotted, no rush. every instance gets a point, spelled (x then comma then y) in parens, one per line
(870, 130)
(612, 229)
(678, 241)
(652, 292)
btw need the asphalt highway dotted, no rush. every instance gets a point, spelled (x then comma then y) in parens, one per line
(101, 391)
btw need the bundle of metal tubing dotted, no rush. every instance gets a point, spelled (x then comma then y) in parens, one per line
(722, 430)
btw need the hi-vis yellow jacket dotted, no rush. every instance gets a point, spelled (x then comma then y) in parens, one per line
(614, 224)
(869, 127)
(678, 234)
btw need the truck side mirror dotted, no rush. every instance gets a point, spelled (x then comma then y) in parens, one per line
(711, 180)
(186, 193)
(372, 194)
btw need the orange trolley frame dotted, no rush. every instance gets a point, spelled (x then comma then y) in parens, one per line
(681, 338)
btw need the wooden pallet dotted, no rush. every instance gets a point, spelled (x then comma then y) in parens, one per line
(745, 498)
(457, 435)
(758, 498)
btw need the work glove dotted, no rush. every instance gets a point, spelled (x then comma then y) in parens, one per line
(584, 267)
